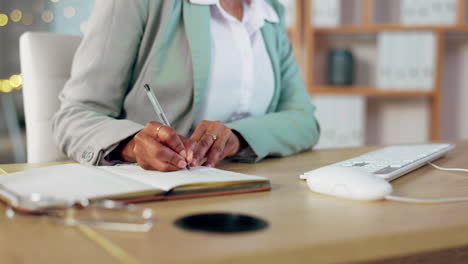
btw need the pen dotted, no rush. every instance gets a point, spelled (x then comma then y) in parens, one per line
(159, 111)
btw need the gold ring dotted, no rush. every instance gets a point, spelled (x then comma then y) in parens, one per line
(157, 130)
(214, 137)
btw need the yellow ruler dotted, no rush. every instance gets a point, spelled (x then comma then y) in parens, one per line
(111, 248)
(108, 246)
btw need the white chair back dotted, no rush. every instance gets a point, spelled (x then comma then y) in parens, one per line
(46, 60)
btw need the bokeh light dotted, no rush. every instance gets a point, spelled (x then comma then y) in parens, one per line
(5, 86)
(16, 15)
(47, 16)
(3, 20)
(62, 17)
(69, 12)
(16, 81)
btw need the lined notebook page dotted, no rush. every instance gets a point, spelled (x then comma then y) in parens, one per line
(70, 181)
(169, 180)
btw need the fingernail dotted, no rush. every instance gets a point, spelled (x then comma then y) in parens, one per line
(194, 162)
(183, 154)
(190, 156)
(209, 165)
(181, 164)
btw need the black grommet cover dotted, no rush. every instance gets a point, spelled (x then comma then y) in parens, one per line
(221, 223)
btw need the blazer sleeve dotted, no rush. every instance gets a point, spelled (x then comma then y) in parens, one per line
(292, 128)
(86, 126)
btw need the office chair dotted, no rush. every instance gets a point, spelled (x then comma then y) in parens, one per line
(46, 60)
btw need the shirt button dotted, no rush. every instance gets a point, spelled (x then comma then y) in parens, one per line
(87, 156)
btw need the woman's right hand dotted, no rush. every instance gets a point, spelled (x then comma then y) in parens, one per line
(157, 147)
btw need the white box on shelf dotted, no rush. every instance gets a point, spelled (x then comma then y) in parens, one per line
(449, 14)
(428, 48)
(415, 72)
(407, 12)
(389, 60)
(381, 70)
(402, 121)
(401, 53)
(383, 61)
(436, 12)
(406, 60)
(326, 13)
(342, 121)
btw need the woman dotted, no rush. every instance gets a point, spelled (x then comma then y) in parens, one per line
(223, 69)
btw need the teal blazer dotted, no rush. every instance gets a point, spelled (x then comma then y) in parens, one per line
(166, 43)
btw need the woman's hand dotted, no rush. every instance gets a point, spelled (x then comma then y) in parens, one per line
(215, 142)
(157, 147)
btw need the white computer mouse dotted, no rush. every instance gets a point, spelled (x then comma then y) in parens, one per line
(348, 183)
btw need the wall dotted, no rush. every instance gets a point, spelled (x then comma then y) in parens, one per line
(70, 16)
(64, 19)
(9, 44)
(9, 65)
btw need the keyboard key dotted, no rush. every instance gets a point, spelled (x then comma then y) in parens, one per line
(394, 161)
(386, 170)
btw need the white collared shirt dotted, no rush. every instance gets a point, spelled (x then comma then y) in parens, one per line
(241, 80)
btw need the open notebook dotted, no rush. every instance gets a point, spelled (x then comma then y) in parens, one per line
(128, 182)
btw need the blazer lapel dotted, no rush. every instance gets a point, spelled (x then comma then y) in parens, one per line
(197, 27)
(270, 40)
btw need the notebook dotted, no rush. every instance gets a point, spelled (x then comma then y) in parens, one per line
(129, 183)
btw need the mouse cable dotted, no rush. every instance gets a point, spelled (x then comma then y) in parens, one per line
(446, 169)
(430, 201)
(425, 201)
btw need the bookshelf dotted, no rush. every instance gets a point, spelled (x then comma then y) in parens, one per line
(314, 46)
(296, 28)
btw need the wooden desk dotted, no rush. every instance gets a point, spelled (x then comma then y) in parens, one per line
(40, 241)
(305, 227)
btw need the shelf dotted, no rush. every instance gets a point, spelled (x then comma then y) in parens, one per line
(379, 28)
(368, 91)
(316, 42)
(292, 33)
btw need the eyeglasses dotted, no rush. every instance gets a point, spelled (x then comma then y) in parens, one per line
(105, 214)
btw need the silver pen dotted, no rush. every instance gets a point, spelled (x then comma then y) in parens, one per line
(159, 111)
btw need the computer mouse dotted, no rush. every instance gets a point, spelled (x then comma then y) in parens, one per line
(348, 183)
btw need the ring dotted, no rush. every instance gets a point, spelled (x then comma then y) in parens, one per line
(157, 130)
(214, 137)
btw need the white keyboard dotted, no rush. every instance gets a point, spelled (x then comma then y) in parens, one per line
(395, 161)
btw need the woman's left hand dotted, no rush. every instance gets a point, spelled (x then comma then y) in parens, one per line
(215, 142)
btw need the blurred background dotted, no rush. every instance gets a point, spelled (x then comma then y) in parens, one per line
(380, 71)
(17, 17)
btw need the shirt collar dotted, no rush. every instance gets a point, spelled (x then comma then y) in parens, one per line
(266, 12)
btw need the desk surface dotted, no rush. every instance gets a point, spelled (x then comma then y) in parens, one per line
(304, 225)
